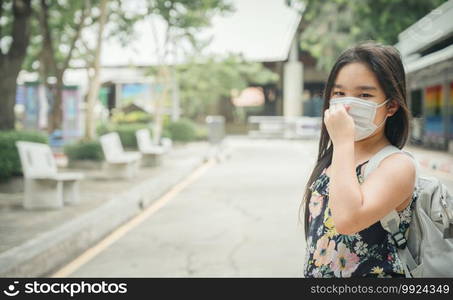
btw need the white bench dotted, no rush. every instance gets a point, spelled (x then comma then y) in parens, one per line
(152, 154)
(285, 127)
(118, 163)
(44, 187)
(166, 143)
(307, 127)
(268, 126)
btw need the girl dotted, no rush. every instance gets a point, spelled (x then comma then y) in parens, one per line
(364, 110)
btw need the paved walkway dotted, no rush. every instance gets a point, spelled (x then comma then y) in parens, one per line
(240, 218)
(32, 241)
(433, 159)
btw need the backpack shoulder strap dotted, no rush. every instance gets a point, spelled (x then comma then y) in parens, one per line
(417, 166)
(382, 154)
(378, 157)
(391, 221)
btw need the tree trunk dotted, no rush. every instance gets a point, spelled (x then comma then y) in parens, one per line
(226, 108)
(163, 79)
(8, 91)
(56, 116)
(11, 62)
(93, 89)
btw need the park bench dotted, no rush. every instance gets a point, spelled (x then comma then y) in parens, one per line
(44, 187)
(307, 127)
(300, 127)
(166, 143)
(119, 163)
(152, 154)
(268, 126)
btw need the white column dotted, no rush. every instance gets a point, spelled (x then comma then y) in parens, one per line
(292, 83)
(43, 107)
(175, 107)
(292, 87)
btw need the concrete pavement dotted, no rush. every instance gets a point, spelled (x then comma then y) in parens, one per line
(35, 242)
(239, 219)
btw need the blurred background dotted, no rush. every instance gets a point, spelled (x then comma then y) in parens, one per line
(237, 81)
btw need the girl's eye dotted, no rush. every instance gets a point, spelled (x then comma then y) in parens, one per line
(337, 93)
(365, 95)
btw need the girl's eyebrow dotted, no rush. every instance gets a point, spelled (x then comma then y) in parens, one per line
(360, 87)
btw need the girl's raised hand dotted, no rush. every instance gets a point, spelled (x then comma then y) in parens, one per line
(339, 123)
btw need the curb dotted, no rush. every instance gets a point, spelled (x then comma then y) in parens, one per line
(46, 253)
(437, 165)
(433, 160)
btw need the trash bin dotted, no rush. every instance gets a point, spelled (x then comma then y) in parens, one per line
(216, 129)
(56, 139)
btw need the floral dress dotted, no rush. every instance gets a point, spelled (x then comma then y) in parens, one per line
(367, 253)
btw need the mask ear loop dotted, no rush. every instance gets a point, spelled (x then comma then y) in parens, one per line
(382, 122)
(386, 116)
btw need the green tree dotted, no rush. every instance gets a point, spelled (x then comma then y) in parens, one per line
(94, 82)
(392, 18)
(329, 27)
(207, 83)
(183, 19)
(61, 24)
(58, 41)
(14, 39)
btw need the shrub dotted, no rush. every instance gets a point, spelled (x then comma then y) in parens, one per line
(9, 156)
(201, 133)
(103, 128)
(132, 117)
(84, 151)
(166, 133)
(125, 131)
(183, 130)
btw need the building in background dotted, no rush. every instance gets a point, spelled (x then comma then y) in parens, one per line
(427, 50)
(32, 108)
(268, 35)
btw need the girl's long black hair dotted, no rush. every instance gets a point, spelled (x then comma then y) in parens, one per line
(385, 62)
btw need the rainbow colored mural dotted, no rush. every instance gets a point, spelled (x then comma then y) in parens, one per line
(434, 125)
(450, 114)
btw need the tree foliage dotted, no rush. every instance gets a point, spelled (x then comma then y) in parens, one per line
(57, 40)
(329, 27)
(205, 81)
(183, 19)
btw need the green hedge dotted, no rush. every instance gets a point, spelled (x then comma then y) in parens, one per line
(84, 151)
(9, 156)
(201, 133)
(125, 131)
(183, 130)
(166, 133)
(132, 117)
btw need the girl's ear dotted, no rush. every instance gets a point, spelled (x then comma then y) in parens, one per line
(393, 107)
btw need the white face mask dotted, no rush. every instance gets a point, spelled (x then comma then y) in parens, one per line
(363, 113)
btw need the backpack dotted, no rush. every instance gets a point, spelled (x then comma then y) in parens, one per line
(426, 250)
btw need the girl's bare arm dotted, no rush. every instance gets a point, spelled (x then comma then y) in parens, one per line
(355, 207)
